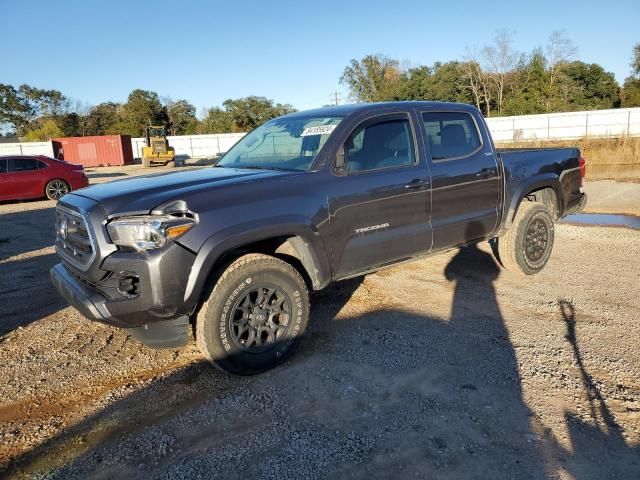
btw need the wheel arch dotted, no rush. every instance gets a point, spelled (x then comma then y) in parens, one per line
(296, 244)
(532, 189)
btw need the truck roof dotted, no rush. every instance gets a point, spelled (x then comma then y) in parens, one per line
(344, 110)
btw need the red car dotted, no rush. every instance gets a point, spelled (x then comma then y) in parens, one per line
(23, 177)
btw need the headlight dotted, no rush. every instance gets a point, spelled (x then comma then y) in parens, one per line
(146, 232)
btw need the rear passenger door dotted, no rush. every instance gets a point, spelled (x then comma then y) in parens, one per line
(465, 178)
(379, 203)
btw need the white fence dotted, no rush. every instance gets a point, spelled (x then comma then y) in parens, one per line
(194, 145)
(29, 148)
(566, 126)
(552, 126)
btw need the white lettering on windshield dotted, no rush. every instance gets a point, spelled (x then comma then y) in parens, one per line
(318, 130)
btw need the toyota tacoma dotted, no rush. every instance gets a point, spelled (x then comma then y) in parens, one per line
(231, 252)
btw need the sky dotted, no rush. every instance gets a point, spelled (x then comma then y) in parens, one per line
(289, 51)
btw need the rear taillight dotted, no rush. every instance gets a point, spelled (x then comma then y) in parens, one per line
(582, 163)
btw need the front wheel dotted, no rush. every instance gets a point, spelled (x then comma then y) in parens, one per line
(526, 246)
(56, 189)
(255, 315)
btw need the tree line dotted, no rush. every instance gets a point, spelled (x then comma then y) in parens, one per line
(495, 78)
(37, 115)
(499, 80)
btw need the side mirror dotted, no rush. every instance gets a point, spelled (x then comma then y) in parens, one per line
(340, 160)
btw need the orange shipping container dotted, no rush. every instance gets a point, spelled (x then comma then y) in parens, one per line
(94, 151)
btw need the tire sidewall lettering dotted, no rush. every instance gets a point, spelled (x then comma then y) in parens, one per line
(222, 324)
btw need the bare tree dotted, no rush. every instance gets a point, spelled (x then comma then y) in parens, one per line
(560, 50)
(500, 59)
(476, 82)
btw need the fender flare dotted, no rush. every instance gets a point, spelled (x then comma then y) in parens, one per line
(305, 241)
(545, 180)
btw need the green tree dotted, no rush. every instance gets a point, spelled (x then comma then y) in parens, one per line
(47, 130)
(181, 115)
(142, 107)
(630, 94)
(443, 82)
(71, 124)
(241, 115)
(631, 89)
(217, 120)
(21, 107)
(591, 87)
(250, 112)
(103, 119)
(375, 78)
(529, 90)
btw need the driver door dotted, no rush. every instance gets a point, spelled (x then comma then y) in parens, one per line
(379, 204)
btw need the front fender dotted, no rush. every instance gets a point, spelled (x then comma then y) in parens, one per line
(232, 238)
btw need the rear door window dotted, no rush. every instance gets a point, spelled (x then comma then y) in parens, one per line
(450, 135)
(23, 164)
(3, 165)
(380, 145)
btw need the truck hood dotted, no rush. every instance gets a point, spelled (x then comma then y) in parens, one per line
(143, 193)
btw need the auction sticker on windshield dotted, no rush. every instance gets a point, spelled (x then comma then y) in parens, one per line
(318, 130)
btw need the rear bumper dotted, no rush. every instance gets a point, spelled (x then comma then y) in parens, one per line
(576, 205)
(79, 182)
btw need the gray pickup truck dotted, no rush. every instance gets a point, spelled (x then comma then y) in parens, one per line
(304, 200)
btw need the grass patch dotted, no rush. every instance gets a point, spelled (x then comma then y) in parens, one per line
(607, 158)
(597, 151)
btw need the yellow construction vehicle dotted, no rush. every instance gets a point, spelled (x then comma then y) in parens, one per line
(157, 150)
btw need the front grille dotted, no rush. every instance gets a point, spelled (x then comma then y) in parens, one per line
(73, 238)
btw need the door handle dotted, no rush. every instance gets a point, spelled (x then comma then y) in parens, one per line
(486, 173)
(417, 183)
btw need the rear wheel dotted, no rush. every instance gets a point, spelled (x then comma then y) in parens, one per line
(56, 189)
(146, 162)
(171, 164)
(255, 315)
(526, 246)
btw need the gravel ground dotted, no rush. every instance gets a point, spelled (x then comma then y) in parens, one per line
(443, 368)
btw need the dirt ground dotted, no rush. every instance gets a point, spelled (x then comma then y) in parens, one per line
(443, 368)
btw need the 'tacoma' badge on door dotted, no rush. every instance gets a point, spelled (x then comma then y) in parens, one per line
(371, 228)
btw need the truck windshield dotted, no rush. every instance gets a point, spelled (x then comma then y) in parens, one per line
(288, 143)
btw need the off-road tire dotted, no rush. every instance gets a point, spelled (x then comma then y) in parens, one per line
(526, 246)
(216, 332)
(171, 164)
(146, 162)
(56, 189)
